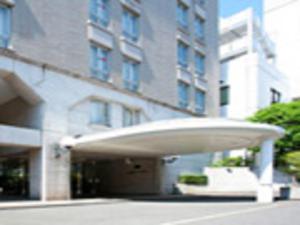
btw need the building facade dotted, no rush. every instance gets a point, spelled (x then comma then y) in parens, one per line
(250, 79)
(282, 22)
(69, 69)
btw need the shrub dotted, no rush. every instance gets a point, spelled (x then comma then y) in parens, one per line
(195, 179)
(231, 162)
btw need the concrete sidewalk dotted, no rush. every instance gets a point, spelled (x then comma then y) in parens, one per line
(39, 204)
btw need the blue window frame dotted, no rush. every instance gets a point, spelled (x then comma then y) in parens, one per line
(99, 63)
(200, 102)
(130, 75)
(183, 94)
(5, 26)
(130, 25)
(199, 64)
(130, 117)
(182, 15)
(99, 11)
(182, 54)
(100, 113)
(199, 28)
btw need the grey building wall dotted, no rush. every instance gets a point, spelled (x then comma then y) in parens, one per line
(55, 32)
(212, 57)
(65, 111)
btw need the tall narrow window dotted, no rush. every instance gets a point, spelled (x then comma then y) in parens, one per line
(182, 15)
(275, 96)
(200, 102)
(100, 113)
(224, 98)
(130, 23)
(199, 64)
(5, 17)
(183, 94)
(182, 54)
(199, 28)
(99, 11)
(99, 63)
(200, 2)
(130, 117)
(130, 75)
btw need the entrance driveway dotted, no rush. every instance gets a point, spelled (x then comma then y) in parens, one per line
(159, 212)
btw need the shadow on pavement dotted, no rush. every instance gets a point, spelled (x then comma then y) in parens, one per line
(189, 199)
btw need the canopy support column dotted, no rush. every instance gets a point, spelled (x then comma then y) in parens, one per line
(265, 187)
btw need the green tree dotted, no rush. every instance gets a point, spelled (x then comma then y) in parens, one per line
(290, 163)
(286, 115)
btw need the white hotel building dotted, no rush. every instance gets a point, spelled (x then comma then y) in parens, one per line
(250, 79)
(282, 22)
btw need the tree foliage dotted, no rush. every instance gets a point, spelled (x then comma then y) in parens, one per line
(287, 116)
(231, 162)
(290, 163)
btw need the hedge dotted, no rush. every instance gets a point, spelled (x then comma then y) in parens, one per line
(194, 179)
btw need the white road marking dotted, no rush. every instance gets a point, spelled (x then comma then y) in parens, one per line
(221, 215)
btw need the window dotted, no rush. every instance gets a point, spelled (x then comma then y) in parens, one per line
(130, 117)
(200, 101)
(130, 75)
(199, 64)
(275, 96)
(182, 15)
(5, 17)
(130, 24)
(99, 12)
(183, 93)
(99, 63)
(200, 2)
(100, 113)
(199, 28)
(224, 98)
(182, 54)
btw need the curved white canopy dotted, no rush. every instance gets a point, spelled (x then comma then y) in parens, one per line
(175, 137)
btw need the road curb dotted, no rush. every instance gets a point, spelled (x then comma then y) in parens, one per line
(47, 204)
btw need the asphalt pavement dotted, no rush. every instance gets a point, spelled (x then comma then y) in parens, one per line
(189, 211)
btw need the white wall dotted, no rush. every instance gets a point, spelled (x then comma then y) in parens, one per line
(240, 75)
(282, 21)
(251, 78)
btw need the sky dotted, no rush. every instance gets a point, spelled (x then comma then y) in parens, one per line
(229, 7)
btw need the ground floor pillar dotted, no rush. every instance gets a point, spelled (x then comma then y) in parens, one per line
(35, 174)
(265, 187)
(56, 165)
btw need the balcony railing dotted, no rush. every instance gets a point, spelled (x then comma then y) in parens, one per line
(233, 48)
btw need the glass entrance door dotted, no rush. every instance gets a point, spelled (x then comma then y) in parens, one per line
(14, 176)
(90, 179)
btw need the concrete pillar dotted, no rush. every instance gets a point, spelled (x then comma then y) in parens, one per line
(35, 174)
(56, 168)
(265, 188)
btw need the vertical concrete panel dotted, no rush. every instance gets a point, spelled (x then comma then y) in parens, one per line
(265, 189)
(57, 168)
(35, 174)
(212, 58)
